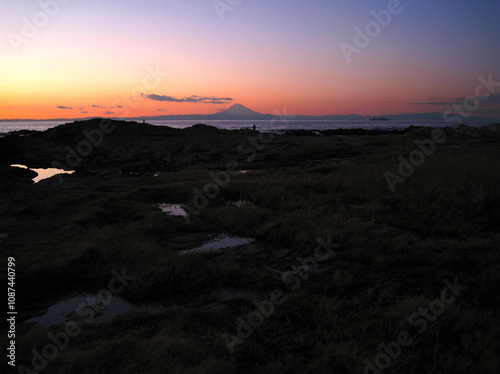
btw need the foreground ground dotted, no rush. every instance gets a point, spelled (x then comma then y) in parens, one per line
(406, 281)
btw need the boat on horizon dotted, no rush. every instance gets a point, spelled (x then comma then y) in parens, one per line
(378, 119)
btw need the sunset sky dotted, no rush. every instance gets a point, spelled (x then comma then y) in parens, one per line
(145, 58)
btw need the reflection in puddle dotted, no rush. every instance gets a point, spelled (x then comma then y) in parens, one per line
(89, 308)
(44, 173)
(173, 210)
(244, 171)
(220, 242)
(92, 308)
(48, 173)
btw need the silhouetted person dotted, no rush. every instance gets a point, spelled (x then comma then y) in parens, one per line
(254, 127)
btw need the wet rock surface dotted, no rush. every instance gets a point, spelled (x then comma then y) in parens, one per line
(15, 175)
(128, 146)
(135, 147)
(121, 157)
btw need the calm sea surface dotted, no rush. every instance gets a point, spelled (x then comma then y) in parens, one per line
(270, 125)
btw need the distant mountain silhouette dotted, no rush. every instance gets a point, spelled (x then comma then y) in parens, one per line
(238, 111)
(241, 112)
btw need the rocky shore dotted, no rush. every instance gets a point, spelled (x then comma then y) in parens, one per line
(136, 147)
(209, 228)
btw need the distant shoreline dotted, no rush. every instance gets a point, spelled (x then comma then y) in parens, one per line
(196, 117)
(262, 125)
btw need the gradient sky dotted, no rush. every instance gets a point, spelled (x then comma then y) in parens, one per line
(92, 56)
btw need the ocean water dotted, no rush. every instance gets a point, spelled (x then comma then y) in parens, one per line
(6, 126)
(268, 125)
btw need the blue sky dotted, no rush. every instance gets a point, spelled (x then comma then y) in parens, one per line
(261, 54)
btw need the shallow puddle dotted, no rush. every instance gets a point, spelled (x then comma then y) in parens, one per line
(173, 210)
(44, 173)
(218, 243)
(92, 308)
(49, 173)
(89, 308)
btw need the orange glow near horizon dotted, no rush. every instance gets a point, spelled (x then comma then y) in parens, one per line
(86, 62)
(40, 93)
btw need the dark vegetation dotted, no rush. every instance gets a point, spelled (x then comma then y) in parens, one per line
(396, 250)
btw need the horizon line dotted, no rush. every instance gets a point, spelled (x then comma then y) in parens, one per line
(288, 117)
